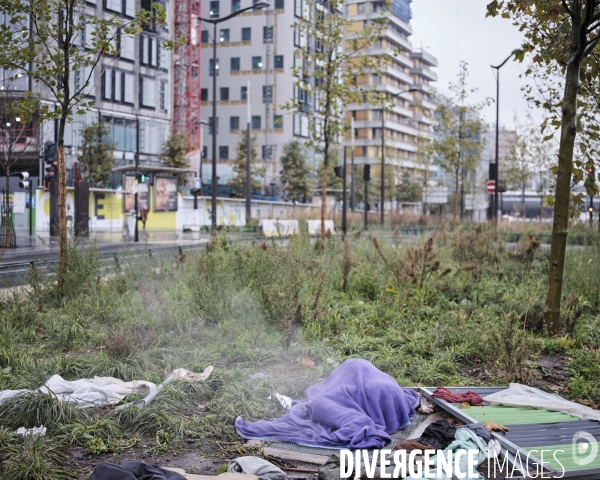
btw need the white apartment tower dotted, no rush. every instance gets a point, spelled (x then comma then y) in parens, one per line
(411, 68)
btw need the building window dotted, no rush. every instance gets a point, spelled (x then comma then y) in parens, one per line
(128, 86)
(204, 95)
(164, 95)
(107, 84)
(361, 8)
(256, 122)
(149, 48)
(235, 64)
(223, 152)
(234, 123)
(267, 93)
(278, 61)
(214, 9)
(244, 93)
(129, 8)
(204, 154)
(148, 92)
(298, 7)
(224, 94)
(211, 67)
(224, 37)
(267, 34)
(278, 122)
(127, 47)
(114, 5)
(205, 36)
(278, 4)
(257, 63)
(246, 34)
(267, 152)
(235, 6)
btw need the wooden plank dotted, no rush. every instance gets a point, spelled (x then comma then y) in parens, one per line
(297, 456)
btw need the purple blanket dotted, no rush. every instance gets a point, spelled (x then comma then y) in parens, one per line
(357, 407)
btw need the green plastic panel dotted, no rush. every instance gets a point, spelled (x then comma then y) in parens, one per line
(565, 457)
(516, 415)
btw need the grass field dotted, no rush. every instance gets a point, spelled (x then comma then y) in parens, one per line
(448, 309)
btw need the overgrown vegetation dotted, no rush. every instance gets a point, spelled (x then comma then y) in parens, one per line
(451, 308)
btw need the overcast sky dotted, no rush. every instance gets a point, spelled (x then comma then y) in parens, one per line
(455, 30)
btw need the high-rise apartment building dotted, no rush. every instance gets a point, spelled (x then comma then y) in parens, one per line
(408, 69)
(255, 55)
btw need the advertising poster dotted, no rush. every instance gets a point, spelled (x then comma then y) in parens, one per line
(165, 194)
(129, 200)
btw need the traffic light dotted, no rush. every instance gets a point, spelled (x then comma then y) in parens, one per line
(338, 171)
(24, 183)
(367, 173)
(51, 161)
(591, 170)
(141, 178)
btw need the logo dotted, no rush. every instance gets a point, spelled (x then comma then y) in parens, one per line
(585, 448)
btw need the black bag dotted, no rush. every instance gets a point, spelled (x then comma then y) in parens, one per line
(133, 470)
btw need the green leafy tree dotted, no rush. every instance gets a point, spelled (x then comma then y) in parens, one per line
(562, 37)
(96, 154)
(409, 190)
(295, 172)
(44, 40)
(174, 153)
(239, 168)
(328, 75)
(457, 145)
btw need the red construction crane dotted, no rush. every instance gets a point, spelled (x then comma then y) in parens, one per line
(187, 75)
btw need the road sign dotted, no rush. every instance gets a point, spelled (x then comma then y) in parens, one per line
(490, 186)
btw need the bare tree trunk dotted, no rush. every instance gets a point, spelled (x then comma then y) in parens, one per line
(62, 201)
(455, 210)
(562, 197)
(323, 203)
(523, 208)
(7, 209)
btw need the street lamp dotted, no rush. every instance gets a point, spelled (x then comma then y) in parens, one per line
(394, 95)
(215, 22)
(495, 170)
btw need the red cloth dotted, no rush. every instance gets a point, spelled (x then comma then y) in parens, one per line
(471, 397)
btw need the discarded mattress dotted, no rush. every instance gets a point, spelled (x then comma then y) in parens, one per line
(517, 395)
(87, 392)
(357, 407)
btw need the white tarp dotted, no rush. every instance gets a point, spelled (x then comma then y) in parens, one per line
(517, 395)
(87, 392)
(314, 227)
(276, 228)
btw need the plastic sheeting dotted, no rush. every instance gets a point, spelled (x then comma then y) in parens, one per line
(518, 395)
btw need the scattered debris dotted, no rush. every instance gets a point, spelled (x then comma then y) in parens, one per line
(426, 406)
(32, 432)
(263, 469)
(493, 449)
(492, 426)
(285, 402)
(307, 362)
(257, 376)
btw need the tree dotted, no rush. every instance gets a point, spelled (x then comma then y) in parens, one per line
(457, 144)
(174, 153)
(295, 172)
(564, 37)
(96, 154)
(409, 190)
(530, 157)
(239, 168)
(45, 39)
(15, 138)
(332, 63)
